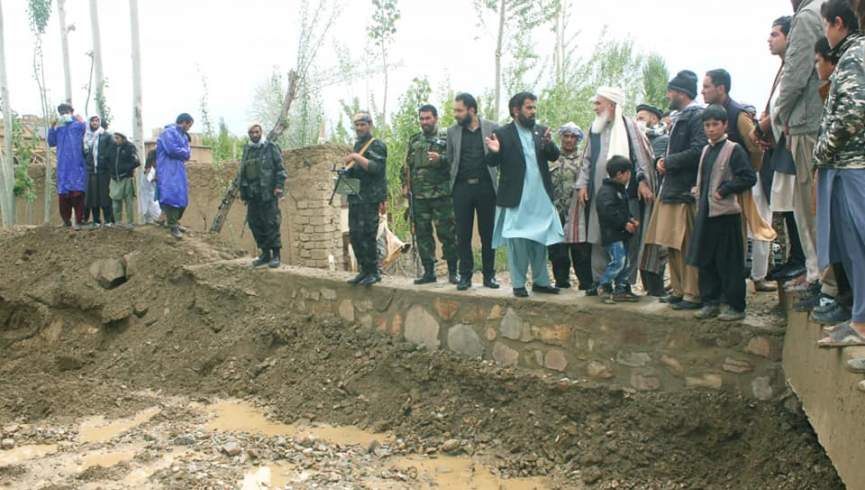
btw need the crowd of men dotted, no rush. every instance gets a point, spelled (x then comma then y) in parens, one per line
(688, 194)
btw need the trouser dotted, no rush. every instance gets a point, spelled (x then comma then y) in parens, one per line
(99, 214)
(362, 230)
(264, 219)
(684, 278)
(173, 215)
(123, 196)
(845, 294)
(578, 255)
(722, 269)
(802, 148)
(760, 251)
(616, 272)
(850, 245)
(523, 253)
(438, 212)
(468, 199)
(68, 202)
(632, 247)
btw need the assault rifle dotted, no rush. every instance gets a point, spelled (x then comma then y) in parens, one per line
(225, 205)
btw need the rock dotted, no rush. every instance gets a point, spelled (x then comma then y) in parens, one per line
(396, 325)
(598, 370)
(762, 388)
(108, 273)
(450, 446)
(11, 428)
(446, 309)
(346, 310)
(373, 445)
(512, 325)
(764, 347)
(633, 359)
(140, 309)
(68, 363)
(328, 294)
(132, 263)
(504, 355)
(709, 381)
(737, 366)
(672, 364)
(422, 328)
(231, 448)
(556, 360)
(645, 380)
(366, 320)
(184, 440)
(464, 340)
(495, 313)
(491, 334)
(553, 335)
(7, 443)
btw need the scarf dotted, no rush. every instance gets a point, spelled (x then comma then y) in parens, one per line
(618, 133)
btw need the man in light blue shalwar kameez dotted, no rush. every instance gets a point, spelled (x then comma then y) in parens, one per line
(526, 219)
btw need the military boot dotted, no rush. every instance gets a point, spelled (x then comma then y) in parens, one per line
(262, 259)
(274, 259)
(453, 275)
(429, 274)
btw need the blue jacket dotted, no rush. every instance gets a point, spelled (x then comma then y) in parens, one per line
(71, 169)
(172, 152)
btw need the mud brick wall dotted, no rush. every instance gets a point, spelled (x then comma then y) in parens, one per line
(643, 347)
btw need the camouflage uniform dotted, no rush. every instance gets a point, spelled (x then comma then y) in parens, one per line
(261, 173)
(564, 173)
(429, 184)
(363, 206)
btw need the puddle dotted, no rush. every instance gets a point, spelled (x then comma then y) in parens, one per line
(109, 459)
(96, 429)
(465, 473)
(20, 454)
(271, 476)
(238, 416)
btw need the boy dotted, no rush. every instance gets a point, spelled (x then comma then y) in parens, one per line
(617, 227)
(718, 250)
(121, 161)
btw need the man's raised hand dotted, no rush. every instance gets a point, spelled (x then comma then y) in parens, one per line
(493, 143)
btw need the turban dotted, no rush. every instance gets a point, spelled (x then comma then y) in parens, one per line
(362, 116)
(571, 128)
(255, 125)
(614, 95)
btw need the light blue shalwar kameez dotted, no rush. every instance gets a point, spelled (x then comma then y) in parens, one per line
(529, 228)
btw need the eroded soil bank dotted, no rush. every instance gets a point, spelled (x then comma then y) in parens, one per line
(112, 380)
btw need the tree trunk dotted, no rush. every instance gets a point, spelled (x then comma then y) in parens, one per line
(97, 60)
(499, 43)
(384, 102)
(7, 169)
(137, 117)
(64, 43)
(282, 122)
(559, 56)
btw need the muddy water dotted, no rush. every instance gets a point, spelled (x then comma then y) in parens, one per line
(97, 429)
(24, 453)
(110, 458)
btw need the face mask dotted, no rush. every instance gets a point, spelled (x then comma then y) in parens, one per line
(643, 127)
(66, 118)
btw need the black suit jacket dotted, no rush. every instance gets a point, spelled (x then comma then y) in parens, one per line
(512, 163)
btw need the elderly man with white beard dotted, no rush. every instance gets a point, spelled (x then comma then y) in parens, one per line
(612, 134)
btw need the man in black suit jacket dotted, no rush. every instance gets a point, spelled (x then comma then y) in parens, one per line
(526, 219)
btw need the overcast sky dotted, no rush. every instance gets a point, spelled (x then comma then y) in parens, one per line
(236, 43)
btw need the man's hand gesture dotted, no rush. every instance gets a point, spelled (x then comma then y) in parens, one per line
(493, 143)
(548, 136)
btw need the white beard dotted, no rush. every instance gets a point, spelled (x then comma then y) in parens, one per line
(601, 123)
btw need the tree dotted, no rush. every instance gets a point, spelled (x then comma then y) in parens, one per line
(101, 104)
(655, 78)
(137, 119)
(38, 13)
(385, 15)
(7, 171)
(64, 45)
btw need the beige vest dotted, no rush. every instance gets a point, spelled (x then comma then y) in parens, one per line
(721, 172)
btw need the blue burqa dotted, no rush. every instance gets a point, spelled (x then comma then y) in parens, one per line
(69, 141)
(172, 152)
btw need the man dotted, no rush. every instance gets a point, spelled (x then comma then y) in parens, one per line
(797, 111)
(426, 178)
(97, 200)
(564, 174)
(121, 161)
(526, 220)
(172, 152)
(840, 158)
(261, 182)
(473, 184)
(368, 164)
(653, 262)
(613, 134)
(672, 218)
(67, 135)
(755, 211)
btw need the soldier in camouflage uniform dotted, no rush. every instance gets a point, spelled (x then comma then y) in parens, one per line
(261, 184)
(368, 164)
(564, 173)
(426, 180)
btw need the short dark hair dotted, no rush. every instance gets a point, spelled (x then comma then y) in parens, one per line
(519, 99)
(428, 108)
(715, 112)
(618, 164)
(784, 23)
(720, 77)
(833, 9)
(65, 108)
(184, 118)
(468, 100)
(825, 51)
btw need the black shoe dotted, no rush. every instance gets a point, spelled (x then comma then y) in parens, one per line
(429, 275)
(563, 285)
(834, 316)
(625, 295)
(825, 305)
(545, 290)
(490, 282)
(274, 259)
(521, 293)
(670, 299)
(370, 279)
(357, 279)
(791, 273)
(809, 300)
(592, 291)
(262, 259)
(686, 305)
(453, 276)
(465, 282)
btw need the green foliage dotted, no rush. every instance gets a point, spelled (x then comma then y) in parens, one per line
(655, 78)
(38, 14)
(385, 15)
(24, 150)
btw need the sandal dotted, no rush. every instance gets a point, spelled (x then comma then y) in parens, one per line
(829, 330)
(843, 336)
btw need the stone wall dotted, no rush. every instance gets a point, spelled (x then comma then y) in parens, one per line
(641, 346)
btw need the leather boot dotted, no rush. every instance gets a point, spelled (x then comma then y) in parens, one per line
(429, 274)
(453, 275)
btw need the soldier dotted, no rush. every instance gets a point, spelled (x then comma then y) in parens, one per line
(368, 164)
(261, 185)
(426, 179)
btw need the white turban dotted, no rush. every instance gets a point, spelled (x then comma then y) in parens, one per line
(618, 133)
(613, 94)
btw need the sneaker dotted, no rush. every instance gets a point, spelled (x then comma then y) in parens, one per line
(274, 262)
(856, 365)
(826, 304)
(838, 314)
(607, 298)
(808, 301)
(728, 314)
(175, 232)
(670, 299)
(707, 311)
(261, 261)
